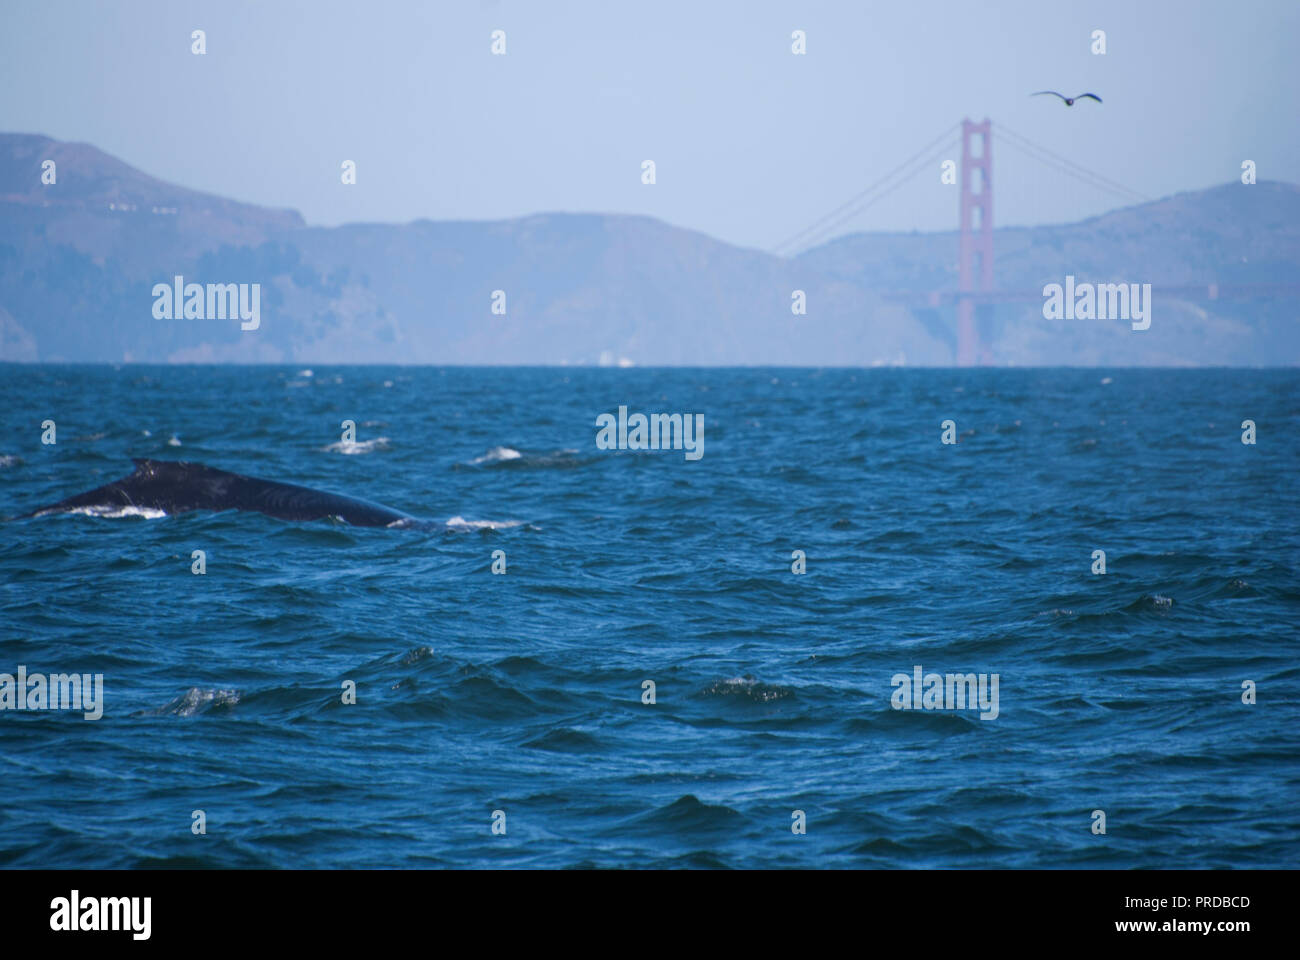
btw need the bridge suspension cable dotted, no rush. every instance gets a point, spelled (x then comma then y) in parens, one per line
(1061, 164)
(825, 224)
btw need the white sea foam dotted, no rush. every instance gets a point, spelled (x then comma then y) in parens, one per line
(498, 454)
(353, 448)
(113, 512)
(460, 523)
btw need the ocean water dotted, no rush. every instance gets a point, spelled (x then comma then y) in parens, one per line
(522, 693)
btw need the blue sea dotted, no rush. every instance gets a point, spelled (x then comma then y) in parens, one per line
(515, 700)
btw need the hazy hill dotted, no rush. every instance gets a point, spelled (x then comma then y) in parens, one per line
(79, 258)
(1232, 234)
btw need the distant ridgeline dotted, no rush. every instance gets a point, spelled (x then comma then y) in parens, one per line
(86, 240)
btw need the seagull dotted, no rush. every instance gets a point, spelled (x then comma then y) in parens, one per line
(1069, 101)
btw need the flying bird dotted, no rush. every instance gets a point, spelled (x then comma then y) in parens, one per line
(1069, 101)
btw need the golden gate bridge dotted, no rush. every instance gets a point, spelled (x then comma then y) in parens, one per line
(975, 284)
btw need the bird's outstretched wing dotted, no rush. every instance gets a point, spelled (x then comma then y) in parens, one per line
(1093, 95)
(1052, 92)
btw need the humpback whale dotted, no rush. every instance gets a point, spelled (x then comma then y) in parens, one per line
(177, 487)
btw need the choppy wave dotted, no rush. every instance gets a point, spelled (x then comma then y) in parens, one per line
(747, 688)
(653, 682)
(196, 700)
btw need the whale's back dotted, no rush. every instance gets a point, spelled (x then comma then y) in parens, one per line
(171, 487)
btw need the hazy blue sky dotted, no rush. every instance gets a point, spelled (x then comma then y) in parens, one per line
(751, 142)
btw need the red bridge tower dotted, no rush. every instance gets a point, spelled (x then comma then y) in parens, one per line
(976, 235)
